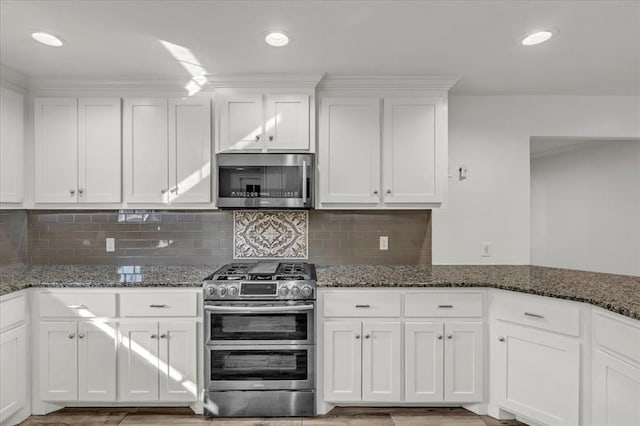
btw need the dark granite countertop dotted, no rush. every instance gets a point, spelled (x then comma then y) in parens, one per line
(617, 293)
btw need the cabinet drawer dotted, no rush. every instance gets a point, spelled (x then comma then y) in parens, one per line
(361, 304)
(427, 304)
(159, 304)
(12, 312)
(618, 336)
(549, 315)
(77, 304)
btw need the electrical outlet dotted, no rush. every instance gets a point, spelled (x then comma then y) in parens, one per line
(111, 244)
(485, 249)
(384, 243)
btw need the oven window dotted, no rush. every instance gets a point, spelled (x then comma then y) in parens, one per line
(263, 326)
(258, 364)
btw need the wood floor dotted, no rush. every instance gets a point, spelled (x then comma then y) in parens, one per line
(352, 416)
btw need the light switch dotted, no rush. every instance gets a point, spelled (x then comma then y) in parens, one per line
(384, 242)
(111, 244)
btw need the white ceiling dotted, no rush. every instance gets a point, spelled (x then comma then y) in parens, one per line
(596, 50)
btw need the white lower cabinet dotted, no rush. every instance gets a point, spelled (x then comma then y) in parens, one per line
(616, 391)
(157, 361)
(13, 371)
(443, 361)
(362, 361)
(77, 361)
(537, 374)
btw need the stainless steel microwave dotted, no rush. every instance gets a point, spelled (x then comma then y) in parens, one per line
(279, 180)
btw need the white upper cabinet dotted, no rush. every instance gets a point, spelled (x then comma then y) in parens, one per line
(349, 151)
(287, 122)
(241, 123)
(383, 148)
(11, 146)
(77, 150)
(412, 151)
(263, 122)
(99, 150)
(167, 150)
(56, 150)
(146, 150)
(190, 150)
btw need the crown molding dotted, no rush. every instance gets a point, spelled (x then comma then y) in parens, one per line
(386, 82)
(219, 81)
(51, 83)
(13, 79)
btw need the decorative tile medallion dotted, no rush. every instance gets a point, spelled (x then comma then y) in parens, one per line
(259, 234)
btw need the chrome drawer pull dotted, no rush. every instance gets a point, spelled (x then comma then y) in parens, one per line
(445, 306)
(77, 306)
(529, 314)
(363, 306)
(158, 306)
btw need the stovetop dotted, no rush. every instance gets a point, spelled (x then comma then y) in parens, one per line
(265, 280)
(265, 271)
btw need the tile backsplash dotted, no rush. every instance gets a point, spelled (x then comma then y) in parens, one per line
(207, 237)
(13, 237)
(260, 234)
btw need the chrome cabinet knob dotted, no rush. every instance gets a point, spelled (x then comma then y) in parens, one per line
(500, 339)
(80, 191)
(154, 336)
(163, 191)
(375, 192)
(257, 138)
(449, 336)
(174, 190)
(163, 336)
(388, 191)
(366, 336)
(357, 336)
(72, 192)
(72, 335)
(80, 335)
(270, 138)
(439, 336)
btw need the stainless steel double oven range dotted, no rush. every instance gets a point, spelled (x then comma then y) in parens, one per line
(259, 352)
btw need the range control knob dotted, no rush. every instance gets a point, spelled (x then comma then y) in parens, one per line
(233, 291)
(222, 291)
(295, 291)
(306, 291)
(284, 290)
(211, 291)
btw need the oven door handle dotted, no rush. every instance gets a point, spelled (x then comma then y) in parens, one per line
(257, 309)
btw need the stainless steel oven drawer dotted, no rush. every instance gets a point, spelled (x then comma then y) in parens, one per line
(260, 403)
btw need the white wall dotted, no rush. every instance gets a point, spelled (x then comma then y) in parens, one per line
(585, 208)
(490, 134)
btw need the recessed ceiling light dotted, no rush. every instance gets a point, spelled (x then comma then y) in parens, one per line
(48, 39)
(537, 38)
(277, 39)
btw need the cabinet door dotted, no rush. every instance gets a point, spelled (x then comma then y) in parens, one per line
(423, 361)
(56, 150)
(241, 123)
(349, 148)
(58, 361)
(138, 362)
(381, 365)
(146, 150)
(13, 371)
(190, 150)
(616, 391)
(99, 150)
(11, 146)
(96, 361)
(411, 150)
(287, 122)
(178, 361)
(463, 362)
(537, 374)
(342, 361)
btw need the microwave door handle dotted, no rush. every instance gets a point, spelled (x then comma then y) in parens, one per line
(304, 180)
(257, 309)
